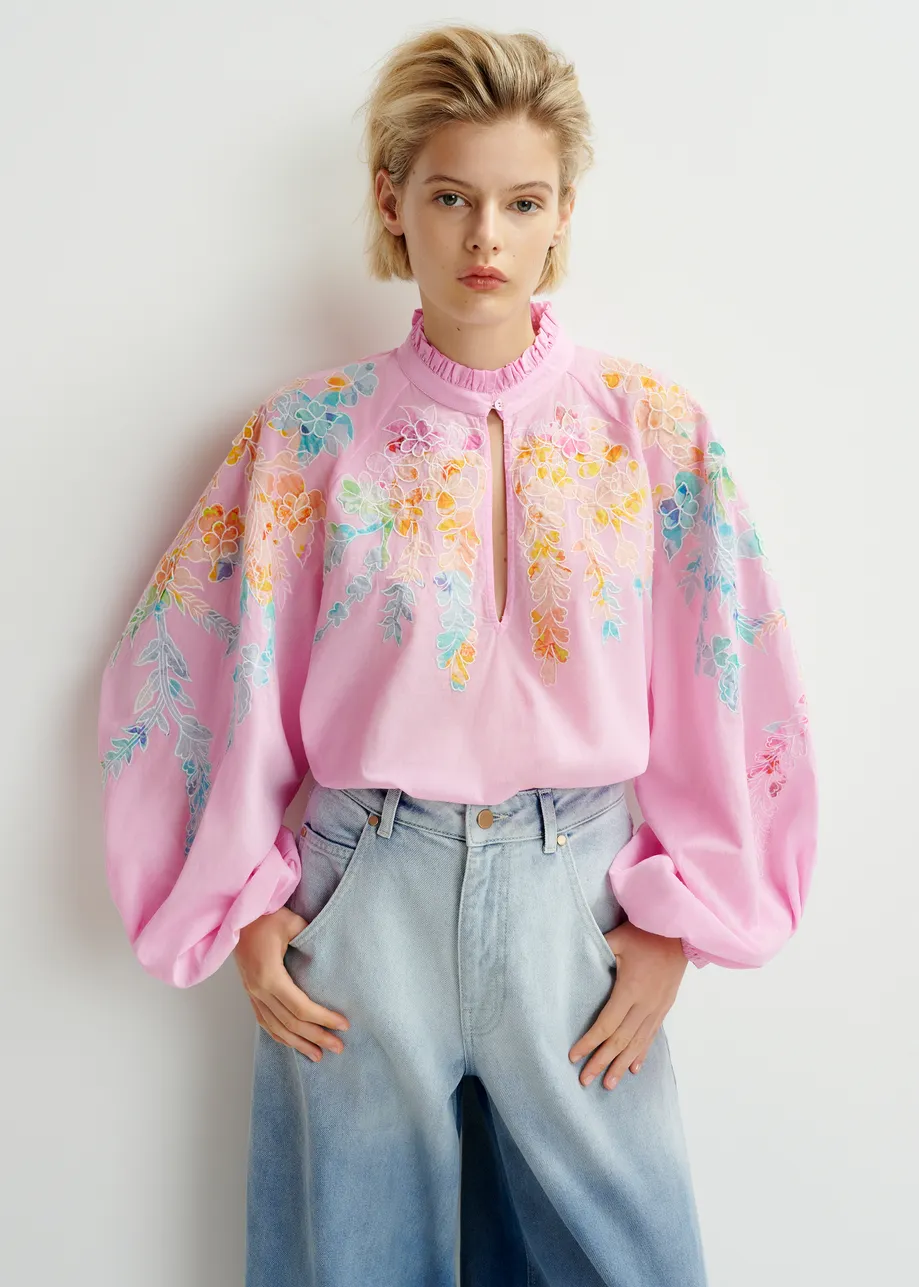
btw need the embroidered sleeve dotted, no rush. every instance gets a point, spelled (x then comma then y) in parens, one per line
(724, 856)
(199, 733)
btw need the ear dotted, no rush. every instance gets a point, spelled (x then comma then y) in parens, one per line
(564, 217)
(388, 202)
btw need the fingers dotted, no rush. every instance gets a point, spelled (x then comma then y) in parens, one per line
(624, 1047)
(303, 1007)
(282, 1035)
(305, 1028)
(614, 1037)
(292, 1018)
(618, 1017)
(632, 1054)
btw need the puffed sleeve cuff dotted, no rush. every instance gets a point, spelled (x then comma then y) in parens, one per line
(163, 946)
(694, 954)
(656, 897)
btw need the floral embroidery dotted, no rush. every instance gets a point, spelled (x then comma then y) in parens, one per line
(429, 481)
(317, 420)
(428, 466)
(767, 776)
(659, 411)
(280, 518)
(573, 460)
(698, 516)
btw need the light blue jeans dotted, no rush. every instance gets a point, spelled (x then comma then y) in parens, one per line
(465, 947)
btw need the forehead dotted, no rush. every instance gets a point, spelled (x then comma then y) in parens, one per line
(501, 156)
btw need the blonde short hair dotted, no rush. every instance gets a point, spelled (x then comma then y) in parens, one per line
(461, 73)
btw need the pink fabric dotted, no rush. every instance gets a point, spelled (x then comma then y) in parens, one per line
(329, 603)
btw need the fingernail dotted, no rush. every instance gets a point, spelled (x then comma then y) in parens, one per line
(611, 1083)
(638, 1067)
(589, 1078)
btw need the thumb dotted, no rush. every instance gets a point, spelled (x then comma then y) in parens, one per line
(616, 938)
(296, 923)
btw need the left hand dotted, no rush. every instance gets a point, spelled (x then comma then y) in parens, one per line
(649, 970)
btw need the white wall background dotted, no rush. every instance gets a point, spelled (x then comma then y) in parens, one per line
(181, 233)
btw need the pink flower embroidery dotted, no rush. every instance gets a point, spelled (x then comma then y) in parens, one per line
(417, 435)
(572, 437)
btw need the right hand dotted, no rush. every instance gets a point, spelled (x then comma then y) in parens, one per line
(281, 1008)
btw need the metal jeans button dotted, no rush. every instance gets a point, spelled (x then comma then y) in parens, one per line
(485, 817)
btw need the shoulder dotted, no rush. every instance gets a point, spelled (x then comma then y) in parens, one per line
(320, 404)
(667, 421)
(634, 391)
(314, 415)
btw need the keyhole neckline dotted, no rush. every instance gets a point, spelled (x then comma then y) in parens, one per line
(498, 624)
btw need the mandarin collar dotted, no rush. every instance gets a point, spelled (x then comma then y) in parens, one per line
(476, 390)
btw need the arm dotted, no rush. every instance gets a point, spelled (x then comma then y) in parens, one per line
(199, 731)
(725, 855)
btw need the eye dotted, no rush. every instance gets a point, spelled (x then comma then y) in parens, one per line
(452, 198)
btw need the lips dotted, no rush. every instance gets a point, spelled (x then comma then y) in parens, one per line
(485, 272)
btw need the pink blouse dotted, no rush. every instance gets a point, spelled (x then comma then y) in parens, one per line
(329, 605)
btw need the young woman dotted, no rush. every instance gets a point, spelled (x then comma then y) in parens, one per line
(475, 583)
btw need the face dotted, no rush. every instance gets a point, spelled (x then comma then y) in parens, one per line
(498, 205)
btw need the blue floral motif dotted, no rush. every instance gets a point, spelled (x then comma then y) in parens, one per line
(718, 658)
(337, 614)
(454, 595)
(362, 382)
(702, 506)
(678, 513)
(317, 419)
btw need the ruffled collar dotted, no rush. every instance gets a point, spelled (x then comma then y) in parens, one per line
(476, 389)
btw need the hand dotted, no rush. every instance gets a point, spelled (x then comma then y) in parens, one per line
(282, 1009)
(649, 970)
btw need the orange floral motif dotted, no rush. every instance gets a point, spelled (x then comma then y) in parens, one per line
(276, 501)
(663, 413)
(246, 441)
(573, 468)
(427, 482)
(221, 536)
(296, 509)
(255, 517)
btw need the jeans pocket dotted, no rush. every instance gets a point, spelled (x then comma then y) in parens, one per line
(328, 866)
(588, 854)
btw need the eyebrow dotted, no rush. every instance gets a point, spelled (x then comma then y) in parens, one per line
(461, 183)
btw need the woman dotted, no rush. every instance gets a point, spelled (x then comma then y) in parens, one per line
(475, 583)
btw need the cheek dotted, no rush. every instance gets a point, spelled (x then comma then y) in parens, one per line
(424, 235)
(533, 244)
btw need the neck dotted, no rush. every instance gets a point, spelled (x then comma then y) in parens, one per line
(486, 346)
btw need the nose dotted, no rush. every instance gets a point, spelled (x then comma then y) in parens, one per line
(484, 231)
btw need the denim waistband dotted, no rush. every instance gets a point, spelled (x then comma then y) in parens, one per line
(536, 813)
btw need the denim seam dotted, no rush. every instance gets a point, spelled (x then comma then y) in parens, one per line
(577, 892)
